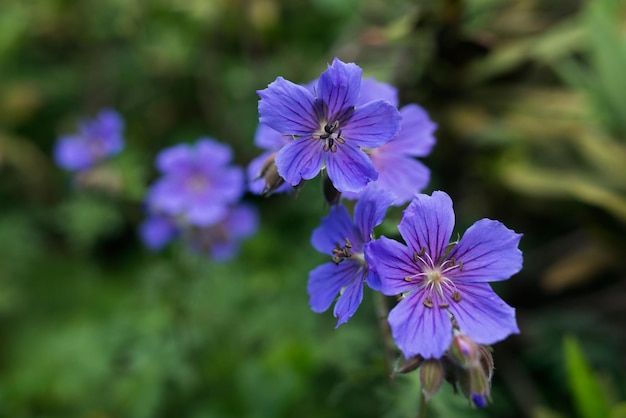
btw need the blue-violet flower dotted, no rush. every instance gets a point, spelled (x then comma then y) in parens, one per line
(328, 128)
(398, 170)
(95, 141)
(346, 241)
(198, 182)
(444, 285)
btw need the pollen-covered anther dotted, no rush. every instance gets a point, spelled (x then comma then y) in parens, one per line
(428, 302)
(456, 296)
(444, 305)
(340, 253)
(331, 137)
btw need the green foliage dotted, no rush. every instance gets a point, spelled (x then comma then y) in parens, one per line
(587, 392)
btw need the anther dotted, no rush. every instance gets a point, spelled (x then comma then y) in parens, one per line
(456, 296)
(348, 243)
(444, 305)
(408, 278)
(428, 302)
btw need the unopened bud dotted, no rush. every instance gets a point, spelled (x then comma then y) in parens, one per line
(269, 172)
(475, 385)
(431, 377)
(486, 361)
(331, 194)
(410, 365)
(464, 351)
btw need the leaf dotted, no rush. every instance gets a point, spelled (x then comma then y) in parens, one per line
(537, 181)
(590, 400)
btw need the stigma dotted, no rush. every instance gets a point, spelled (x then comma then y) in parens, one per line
(331, 136)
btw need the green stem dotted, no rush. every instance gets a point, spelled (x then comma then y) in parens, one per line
(422, 409)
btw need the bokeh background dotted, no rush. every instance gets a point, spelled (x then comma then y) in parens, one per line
(530, 100)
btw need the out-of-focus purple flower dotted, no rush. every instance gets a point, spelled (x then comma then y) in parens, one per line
(95, 141)
(198, 182)
(221, 241)
(328, 129)
(398, 170)
(346, 241)
(157, 231)
(440, 280)
(258, 170)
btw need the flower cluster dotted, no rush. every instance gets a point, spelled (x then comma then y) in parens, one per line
(351, 129)
(198, 197)
(95, 141)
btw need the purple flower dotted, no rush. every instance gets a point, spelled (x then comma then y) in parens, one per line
(157, 231)
(95, 141)
(440, 280)
(221, 241)
(268, 139)
(346, 241)
(398, 170)
(198, 182)
(328, 129)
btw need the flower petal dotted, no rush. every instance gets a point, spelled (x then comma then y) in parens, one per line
(334, 229)
(418, 329)
(403, 176)
(167, 195)
(349, 169)
(427, 223)
(326, 281)
(210, 153)
(350, 298)
(372, 124)
(416, 133)
(489, 252)
(339, 87)
(288, 108)
(156, 231)
(205, 212)
(226, 184)
(269, 139)
(242, 221)
(176, 159)
(392, 262)
(73, 153)
(370, 211)
(482, 315)
(299, 160)
(372, 90)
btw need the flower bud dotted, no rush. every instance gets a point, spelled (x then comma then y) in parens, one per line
(486, 361)
(464, 351)
(475, 385)
(410, 365)
(331, 194)
(431, 377)
(269, 172)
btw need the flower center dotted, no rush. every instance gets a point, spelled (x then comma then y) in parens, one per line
(197, 183)
(434, 280)
(331, 136)
(340, 252)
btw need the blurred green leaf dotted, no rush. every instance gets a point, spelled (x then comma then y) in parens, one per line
(86, 219)
(551, 183)
(587, 392)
